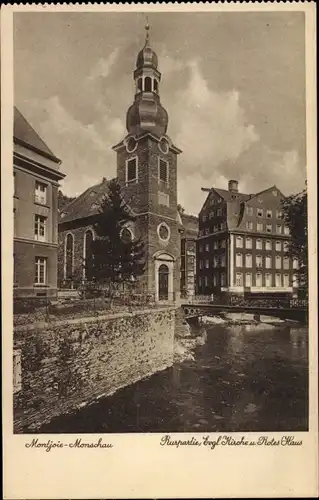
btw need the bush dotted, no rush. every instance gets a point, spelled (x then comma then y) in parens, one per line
(91, 291)
(28, 305)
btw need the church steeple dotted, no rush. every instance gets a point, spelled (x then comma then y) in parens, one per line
(147, 28)
(146, 113)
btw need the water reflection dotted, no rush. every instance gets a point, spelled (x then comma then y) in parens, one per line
(236, 340)
(298, 343)
(242, 378)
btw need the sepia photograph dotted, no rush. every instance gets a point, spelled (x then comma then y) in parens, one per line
(159, 275)
(160, 247)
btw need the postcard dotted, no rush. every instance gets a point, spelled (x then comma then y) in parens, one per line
(159, 250)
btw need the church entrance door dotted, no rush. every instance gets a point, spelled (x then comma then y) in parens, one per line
(163, 273)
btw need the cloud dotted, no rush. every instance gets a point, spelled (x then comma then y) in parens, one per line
(219, 144)
(103, 66)
(209, 126)
(168, 65)
(190, 195)
(85, 152)
(268, 167)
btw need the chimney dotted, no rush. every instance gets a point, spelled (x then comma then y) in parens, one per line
(233, 186)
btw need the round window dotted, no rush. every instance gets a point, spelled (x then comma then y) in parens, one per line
(164, 145)
(163, 231)
(126, 235)
(131, 144)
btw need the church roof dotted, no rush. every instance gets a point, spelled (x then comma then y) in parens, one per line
(86, 204)
(26, 135)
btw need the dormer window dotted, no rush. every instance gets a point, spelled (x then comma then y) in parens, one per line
(163, 170)
(131, 170)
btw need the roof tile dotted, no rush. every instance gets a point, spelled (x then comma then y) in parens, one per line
(23, 131)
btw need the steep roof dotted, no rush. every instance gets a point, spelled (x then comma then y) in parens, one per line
(229, 195)
(236, 202)
(265, 191)
(86, 204)
(24, 133)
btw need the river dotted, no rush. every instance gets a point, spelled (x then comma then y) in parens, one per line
(242, 378)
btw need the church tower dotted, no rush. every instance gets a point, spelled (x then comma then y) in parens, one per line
(147, 172)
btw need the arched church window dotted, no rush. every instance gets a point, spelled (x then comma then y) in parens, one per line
(148, 84)
(69, 248)
(163, 275)
(155, 85)
(139, 84)
(88, 254)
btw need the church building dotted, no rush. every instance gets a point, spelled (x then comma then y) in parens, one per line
(147, 174)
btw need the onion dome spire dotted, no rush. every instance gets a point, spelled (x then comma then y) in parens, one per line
(147, 57)
(147, 113)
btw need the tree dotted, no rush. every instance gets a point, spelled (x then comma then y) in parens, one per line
(295, 215)
(116, 257)
(63, 200)
(180, 209)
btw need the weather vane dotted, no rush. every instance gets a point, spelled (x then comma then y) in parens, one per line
(147, 27)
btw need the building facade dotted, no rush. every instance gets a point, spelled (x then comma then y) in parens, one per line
(147, 174)
(242, 244)
(36, 177)
(189, 233)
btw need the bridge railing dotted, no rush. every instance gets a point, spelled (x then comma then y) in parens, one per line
(238, 301)
(195, 299)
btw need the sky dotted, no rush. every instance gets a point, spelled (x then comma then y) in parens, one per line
(233, 85)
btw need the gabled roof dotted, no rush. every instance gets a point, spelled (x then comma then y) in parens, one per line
(236, 202)
(229, 195)
(86, 204)
(23, 133)
(265, 191)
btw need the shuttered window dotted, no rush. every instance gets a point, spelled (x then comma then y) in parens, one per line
(163, 170)
(131, 170)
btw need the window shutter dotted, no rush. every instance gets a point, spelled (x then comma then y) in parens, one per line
(163, 170)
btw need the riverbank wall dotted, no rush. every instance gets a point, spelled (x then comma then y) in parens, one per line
(63, 366)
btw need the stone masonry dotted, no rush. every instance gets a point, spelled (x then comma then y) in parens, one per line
(66, 365)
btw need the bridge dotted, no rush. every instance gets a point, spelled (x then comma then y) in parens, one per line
(293, 309)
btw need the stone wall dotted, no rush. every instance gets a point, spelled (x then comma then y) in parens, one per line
(67, 365)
